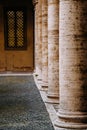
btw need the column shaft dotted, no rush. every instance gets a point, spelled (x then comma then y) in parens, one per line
(39, 47)
(44, 44)
(73, 64)
(53, 32)
(36, 34)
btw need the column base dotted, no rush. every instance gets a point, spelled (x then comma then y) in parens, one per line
(38, 74)
(44, 86)
(43, 89)
(52, 100)
(52, 95)
(72, 120)
(38, 77)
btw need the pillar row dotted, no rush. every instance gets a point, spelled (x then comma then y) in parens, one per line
(44, 44)
(73, 64)
(53, 41)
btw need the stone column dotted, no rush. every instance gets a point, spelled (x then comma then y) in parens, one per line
(73, 64)
(53, 41)
(39, 47)
(35, 3)
(44, 44)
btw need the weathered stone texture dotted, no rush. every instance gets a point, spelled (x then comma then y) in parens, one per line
(73, 64)
(35, 2)
(39, 46)
(38, 37)
(44, 43)
(53, 42)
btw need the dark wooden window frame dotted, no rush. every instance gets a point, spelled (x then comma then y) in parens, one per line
(13, 8)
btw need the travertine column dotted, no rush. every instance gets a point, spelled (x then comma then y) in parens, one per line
(39, 47)
(73, 64)
(44, 44)
(53, 32)
(35, 3)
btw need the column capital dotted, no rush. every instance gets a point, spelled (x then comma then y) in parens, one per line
(35, 2)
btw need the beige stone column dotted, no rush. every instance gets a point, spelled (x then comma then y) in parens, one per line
(73, 64)
(39, 47)
(35, 3)
(44, 44)
(53, 41)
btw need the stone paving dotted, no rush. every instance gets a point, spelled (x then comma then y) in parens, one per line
(21, 106)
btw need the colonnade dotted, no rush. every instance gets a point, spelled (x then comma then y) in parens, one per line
(61, 30)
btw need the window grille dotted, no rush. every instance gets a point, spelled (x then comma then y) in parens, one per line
(15, 28)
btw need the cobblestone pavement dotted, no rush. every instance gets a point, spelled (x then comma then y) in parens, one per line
(21, 106)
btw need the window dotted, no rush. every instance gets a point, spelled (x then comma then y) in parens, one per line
(15, 28)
